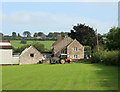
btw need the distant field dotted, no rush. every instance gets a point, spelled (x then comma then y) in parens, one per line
(76, 76)
(16, 43)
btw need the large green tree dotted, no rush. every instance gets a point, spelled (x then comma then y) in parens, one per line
(113, 39)
(35, 35)
(84, 34)
(50, 34)
(41, 34)
(19, 35)
(27, 34)
(14, 34)
(1, 34)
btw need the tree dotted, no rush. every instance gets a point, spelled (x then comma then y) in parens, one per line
(64, 34)
(50, 34)
(40, 47)
(23, 41)
(113, 39)
(27, 34)
(19, 35)
(14, 34)
(1, 34)
(41, 34)
(35, 35)
(84, 34)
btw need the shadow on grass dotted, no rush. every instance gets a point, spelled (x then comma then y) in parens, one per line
(107, 76)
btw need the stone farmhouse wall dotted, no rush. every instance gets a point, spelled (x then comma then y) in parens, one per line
(79, 52)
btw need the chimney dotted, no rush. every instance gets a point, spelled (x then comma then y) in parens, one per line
(59, 37)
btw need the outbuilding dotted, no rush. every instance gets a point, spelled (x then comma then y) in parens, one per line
(6, 57)
(30, 56)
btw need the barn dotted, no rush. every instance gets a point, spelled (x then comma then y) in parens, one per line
(30, 56)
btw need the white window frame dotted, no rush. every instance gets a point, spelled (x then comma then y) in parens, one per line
(75, 48)
(75, 56)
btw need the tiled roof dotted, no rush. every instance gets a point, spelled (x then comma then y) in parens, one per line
(62, 44)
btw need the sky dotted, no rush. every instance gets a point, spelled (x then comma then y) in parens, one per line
(57, 16)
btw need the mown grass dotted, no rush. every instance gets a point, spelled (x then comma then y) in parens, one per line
(16, 43)
(77, 76)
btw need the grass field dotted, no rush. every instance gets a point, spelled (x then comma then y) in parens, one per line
(47, 44)
(77, 76)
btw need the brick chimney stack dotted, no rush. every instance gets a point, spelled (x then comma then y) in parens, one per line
(59, 37)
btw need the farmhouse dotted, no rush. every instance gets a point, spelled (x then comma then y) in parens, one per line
(6, 57)
(68, 46)
(30, 56)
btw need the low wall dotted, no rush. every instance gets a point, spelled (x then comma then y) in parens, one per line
(15, 60)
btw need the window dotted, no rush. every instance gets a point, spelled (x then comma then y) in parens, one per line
(62, 52)
(32, 55)
(75, 49)
(75, 56)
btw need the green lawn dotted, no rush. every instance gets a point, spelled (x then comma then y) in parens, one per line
(77, 76)
(17, 44)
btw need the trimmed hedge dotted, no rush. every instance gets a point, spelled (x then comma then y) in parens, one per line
(106, 57)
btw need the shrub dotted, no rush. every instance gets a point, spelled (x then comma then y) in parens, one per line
(106, 57)
(23, 41)
(96, 57)
(87, 50)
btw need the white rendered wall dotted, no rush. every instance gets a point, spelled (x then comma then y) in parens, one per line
(7, 58)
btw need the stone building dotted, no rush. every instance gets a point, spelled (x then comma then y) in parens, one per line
(30, 56)
(68, 46)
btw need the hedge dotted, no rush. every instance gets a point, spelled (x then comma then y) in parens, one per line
(106, 57)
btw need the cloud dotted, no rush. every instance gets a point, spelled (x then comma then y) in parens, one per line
(36, 21)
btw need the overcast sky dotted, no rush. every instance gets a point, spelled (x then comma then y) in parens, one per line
(57, 16)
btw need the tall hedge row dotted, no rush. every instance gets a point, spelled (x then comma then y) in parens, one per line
(106, 57)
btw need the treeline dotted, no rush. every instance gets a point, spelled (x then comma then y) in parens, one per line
(40, 36)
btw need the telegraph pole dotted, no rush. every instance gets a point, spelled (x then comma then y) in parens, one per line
(119, 14)
(97, 40)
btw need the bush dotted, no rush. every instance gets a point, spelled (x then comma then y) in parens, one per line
(106, 57)
(20, 49)
(87, 50)
(23, 41)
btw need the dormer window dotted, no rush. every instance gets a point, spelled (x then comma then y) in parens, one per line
(75, 48)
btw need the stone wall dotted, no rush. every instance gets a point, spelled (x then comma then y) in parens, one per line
(79, 52)
(26, 58)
